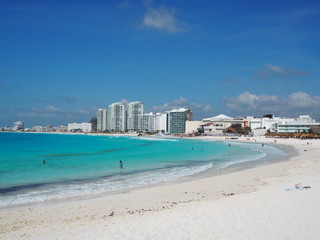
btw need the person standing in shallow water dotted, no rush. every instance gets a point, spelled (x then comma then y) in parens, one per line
(121, 164)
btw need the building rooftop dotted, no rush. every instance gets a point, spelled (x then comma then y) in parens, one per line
(179, 110)
(220, 117)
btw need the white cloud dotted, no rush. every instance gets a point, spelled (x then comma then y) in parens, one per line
(162, 19)
(180, 101)
(124, 101)
(199, 111)
(292, 105)
(302, 100)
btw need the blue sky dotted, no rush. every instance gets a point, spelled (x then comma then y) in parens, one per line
(61, 60)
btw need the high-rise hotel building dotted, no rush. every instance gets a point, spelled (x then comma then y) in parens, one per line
(101, 120)
(117, 117)
(134, 112)
(177, 120)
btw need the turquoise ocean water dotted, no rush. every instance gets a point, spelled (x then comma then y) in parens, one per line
(81, 165)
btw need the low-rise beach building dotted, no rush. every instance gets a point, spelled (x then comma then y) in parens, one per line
(193, 127)
(38, 129)
(217, 124)
(18, 125)
(298, 125)
(79, 127)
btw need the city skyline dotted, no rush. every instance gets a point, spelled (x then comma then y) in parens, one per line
(61, 61)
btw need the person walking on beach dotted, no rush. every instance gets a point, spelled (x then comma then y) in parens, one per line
(121, 164)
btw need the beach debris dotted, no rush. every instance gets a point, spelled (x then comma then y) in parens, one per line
(297, 186)
(228, 194)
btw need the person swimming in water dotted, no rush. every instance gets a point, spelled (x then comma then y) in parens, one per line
(121, 164)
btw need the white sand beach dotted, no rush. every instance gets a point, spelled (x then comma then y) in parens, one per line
(252, 203)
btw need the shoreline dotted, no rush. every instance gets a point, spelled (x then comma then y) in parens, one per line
(212, 172)
(145, 205)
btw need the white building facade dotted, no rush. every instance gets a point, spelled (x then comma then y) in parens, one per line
(147, 122)
(101, 120)
(217, 124)
(81, 127)
(193, 126)
(18, 125)
(298, 125)
(134, 112)
(161, 123)
(117, 117)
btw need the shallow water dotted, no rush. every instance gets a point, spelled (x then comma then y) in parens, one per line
(80, 165)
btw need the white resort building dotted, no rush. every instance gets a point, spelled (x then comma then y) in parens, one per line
(101, 120)
(134, 112)
(18, 125)
(299, 125)
(116, 120)
(215, 125)
(259, 126)
(82, 127)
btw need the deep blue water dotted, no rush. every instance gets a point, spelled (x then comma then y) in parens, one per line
(80, 165)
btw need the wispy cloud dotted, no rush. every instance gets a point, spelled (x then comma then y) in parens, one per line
(292, 105)
(163, 19)
(124, 101)
(88, 110)
(45, 110)
(270, 71)
(199, 110)
(51, 115)
(69, 100)
(40, 100)
(229, 80)
(298, 15)
(123, 5)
